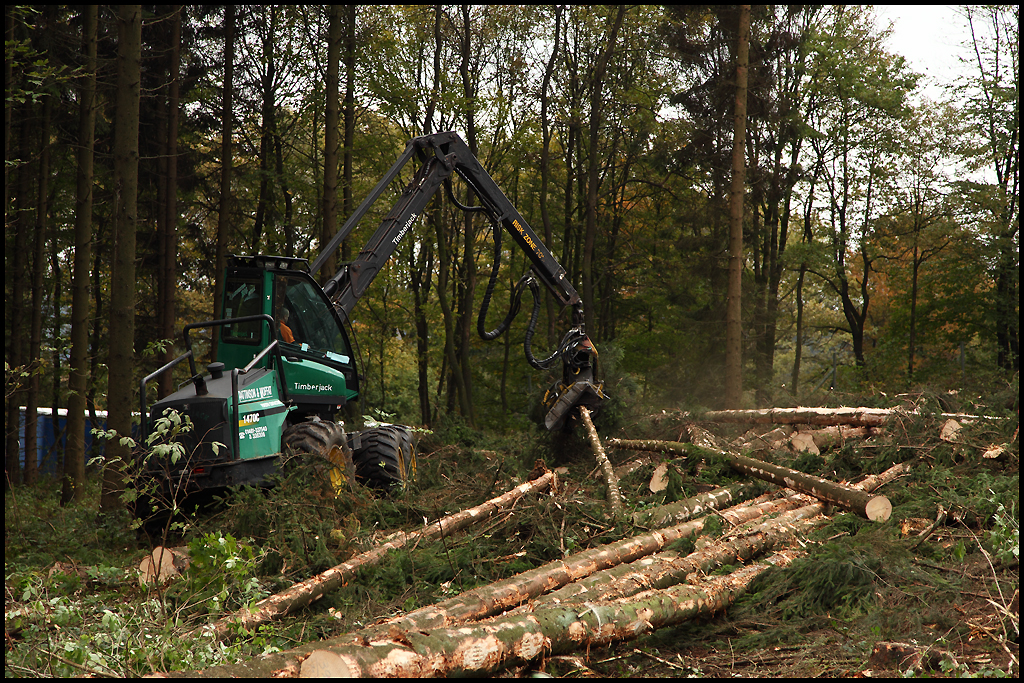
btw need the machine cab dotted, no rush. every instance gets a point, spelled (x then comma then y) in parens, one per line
(318, 365)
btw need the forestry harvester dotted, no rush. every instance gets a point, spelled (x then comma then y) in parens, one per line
(285, 366)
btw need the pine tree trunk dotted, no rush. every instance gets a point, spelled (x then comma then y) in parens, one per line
(224, 213)
(169, 245)
(331, 136)
(121, 359)
(74, 453)
(35, 339)
(733, 317)
(487, 647)
(18, 348)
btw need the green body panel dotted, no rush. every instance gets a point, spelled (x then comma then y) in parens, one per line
(309, 379)
(261, 418)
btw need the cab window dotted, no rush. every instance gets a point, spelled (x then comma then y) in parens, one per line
(243, 297)
(304, 314)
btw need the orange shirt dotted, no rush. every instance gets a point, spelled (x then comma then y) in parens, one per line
(286, 334)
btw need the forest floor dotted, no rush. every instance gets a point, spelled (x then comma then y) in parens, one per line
(867, 599)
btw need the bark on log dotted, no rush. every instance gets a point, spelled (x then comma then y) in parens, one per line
(489, 646)
(685, 510)
(868, 506)
(305, 592)
(614, 496)
(669, 568)
(874, 508)
(862, 417)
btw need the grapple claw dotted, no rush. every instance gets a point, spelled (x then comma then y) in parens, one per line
(563, 400)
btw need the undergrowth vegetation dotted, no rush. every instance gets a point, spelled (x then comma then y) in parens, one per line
(74, 603)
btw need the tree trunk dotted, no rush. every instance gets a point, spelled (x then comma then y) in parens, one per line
(17, 349)
(488, 647)
(169, 246)
(74, 453)
(331, 137)
(35, 339)
(670, 568)
(466, 285)
(612, 482)
(860, 417)
(224, 213)
(349, 115)
(597, 76)
(685, 510)
(733, 317)
(268, 110)
(121, 359)
(545, 163)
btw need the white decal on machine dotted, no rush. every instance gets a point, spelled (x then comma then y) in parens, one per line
(313, 387)
(255, 393)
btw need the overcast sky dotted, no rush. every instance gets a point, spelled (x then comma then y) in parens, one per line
(931, 38)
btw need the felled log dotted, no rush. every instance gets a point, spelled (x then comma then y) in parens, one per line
(874, 508)
(301, 594)
(684, 510)
(866, 505)
(665, 568)
(487, 647)
(863, 417)
(669, 568)
(384, 637)
(611, 481)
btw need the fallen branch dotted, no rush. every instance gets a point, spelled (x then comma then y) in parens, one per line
(614, 497)
(301, 594)
(874, 508)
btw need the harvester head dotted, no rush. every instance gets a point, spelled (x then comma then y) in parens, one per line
(578, 387)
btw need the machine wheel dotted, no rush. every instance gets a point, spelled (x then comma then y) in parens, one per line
(385, 458)
(325, 442)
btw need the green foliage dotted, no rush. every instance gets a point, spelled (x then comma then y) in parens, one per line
(838, 580)
(1004, 539)
(221, 576)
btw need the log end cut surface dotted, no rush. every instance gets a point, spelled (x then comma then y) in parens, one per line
(878, 509)
(324, 664)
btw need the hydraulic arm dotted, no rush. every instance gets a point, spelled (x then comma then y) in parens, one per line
(441, 155)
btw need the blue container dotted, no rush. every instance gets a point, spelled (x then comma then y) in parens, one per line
(50, 449)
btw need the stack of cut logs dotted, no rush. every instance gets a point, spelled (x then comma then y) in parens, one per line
(613, 592)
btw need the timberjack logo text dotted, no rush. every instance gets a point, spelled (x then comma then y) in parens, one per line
(314, 387)
(405, 229)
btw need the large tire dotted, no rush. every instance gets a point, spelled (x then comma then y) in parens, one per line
(325, 444)
(385, 458)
